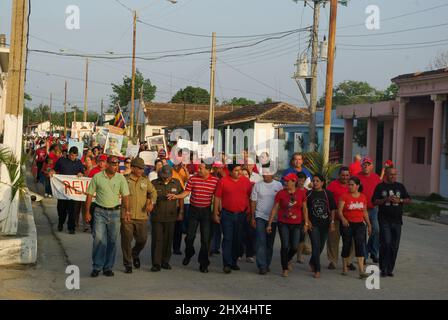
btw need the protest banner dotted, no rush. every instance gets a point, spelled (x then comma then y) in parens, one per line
(116, 130)
(82, 130)
(149, 157)
(101, 136)
(77, 144)
(65, 187)
(113, 145)
(205, 151)
(132, 150)
(185, 144)
(155, 143)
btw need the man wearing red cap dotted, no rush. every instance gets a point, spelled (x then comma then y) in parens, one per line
(102, 164)
(369, 180)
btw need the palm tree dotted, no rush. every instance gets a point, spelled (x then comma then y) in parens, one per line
(314, 162)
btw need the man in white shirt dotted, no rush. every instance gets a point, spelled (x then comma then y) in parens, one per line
(262, 202)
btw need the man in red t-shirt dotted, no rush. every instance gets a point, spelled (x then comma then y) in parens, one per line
(369, 180)
(355, 166)
(338, 188)
(232, 197)
(102, 164)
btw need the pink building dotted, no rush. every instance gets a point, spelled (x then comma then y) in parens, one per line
(415, 134)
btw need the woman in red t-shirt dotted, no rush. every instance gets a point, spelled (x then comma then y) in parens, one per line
(289, 207)
(352, 211)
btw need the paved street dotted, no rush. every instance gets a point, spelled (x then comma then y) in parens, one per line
(420, 274)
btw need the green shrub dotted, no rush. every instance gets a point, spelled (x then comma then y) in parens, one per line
(422, 210)
(435, 197)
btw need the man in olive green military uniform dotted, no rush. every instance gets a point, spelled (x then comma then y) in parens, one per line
(164, 217)
(142, 198)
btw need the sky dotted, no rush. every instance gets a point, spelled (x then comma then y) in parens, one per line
(410, 35)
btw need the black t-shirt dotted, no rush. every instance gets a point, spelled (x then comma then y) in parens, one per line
(320, 204)
(388, 212)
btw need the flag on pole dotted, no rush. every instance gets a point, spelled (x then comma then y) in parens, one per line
(119, 119)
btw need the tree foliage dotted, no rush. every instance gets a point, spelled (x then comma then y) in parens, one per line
(194, 95)
(122, 92)
(239, 102)
(439, 62)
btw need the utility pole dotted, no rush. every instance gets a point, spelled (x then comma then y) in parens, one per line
(133, 74)
(65, 110)
(85, 91)
(137, 131)
(102, 113)
(211, 119)
(329, 82)
(314, 62)
(13, 129)
(51, 102)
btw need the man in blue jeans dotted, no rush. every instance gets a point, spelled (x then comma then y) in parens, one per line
(232, 197)
(108, 185)
(262, 201)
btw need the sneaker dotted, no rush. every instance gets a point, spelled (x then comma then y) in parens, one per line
(127, 269)
(108, 273)
(50, 196)
(390, 274)
(235, 268)
(363, 275)
(46, 195)
(186, 261)
(316, 275)
(250, 260)
(262, 271)
(94, 273)
(284, 273)
(331, 266)
(290, 266)
(155, 268)
(71, 232)
(136, 262)
(227, 269)
(203, 269)
(166, 266)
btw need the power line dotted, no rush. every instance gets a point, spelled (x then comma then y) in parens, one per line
(256, 80)
(124, 6)
(208, 36)
(393, 44)
(393, 32)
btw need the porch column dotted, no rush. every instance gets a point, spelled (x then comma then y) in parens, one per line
(401, 134)
(394, 141)
(372, 129)
(348, 141)
(434, 184)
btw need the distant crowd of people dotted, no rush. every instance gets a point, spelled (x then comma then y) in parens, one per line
(238, 207)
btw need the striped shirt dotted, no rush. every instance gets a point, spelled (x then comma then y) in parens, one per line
(202, 190)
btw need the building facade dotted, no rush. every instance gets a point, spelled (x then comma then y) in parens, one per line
(415, 133)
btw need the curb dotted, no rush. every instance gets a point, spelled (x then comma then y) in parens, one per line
(22, 248)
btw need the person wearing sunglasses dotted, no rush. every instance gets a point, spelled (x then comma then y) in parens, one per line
(108, 186)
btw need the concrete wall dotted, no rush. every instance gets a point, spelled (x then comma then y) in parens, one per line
(416, 176)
